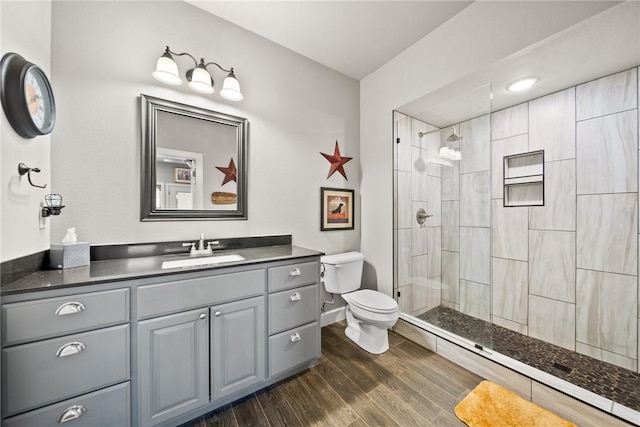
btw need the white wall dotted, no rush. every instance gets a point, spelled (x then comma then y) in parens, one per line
(102, 57)
(25, 29)
(477, 37)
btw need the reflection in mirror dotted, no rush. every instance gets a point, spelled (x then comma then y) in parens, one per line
(193, 162)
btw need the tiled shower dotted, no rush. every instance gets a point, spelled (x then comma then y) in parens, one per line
(565, 272)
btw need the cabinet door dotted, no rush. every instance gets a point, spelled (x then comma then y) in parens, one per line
(173, 365)
(237, 346)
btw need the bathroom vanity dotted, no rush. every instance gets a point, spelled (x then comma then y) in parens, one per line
(125, 342)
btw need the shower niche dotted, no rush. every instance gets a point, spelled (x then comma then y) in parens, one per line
(524, 179)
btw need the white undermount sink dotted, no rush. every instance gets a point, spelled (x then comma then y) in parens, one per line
(194, 262)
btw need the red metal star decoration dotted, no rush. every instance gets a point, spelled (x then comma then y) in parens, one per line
(230, 172)
(337, 161)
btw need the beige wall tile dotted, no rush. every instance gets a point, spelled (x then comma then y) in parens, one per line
(451, 225)
(434, 201)
(475, 299)
(450, 277)
(451, 182)
(419, 191)
(552, 124)
(510, 122)
(509, 231)
(510, 290)
(514, 326)
(475, 197)
(607, 95)
(607, 154)
(475, 145)
(475, 262)
(552, 321)
(552, 264)
(499, 149)
(607, 311)
(434, 251)
(607, 233)
(559, 210)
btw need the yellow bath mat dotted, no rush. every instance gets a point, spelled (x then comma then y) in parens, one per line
(491, 405)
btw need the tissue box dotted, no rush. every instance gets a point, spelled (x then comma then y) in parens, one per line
(69, 255)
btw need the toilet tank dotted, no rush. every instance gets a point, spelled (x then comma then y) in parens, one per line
(342, 272)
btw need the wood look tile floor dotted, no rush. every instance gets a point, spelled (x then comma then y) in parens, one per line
(406, 386)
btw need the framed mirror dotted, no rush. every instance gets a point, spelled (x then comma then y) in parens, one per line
(194, 163)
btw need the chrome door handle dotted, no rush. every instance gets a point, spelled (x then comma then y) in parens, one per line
(75, 411)
(217, 313)
(295, 337)
(70, 349)
(203, 316)
(71, 307)
(295, 272)
(295, 297)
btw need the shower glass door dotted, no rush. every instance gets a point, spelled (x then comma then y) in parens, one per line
(442, 221)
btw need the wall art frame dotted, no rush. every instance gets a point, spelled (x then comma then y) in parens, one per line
(182, 175)
(337, 209)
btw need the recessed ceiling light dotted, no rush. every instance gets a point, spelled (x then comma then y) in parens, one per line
(522, 84)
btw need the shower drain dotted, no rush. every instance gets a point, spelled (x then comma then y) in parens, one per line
(563, 368)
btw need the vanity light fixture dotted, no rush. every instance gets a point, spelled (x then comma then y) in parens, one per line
(198, 78)
(522, 84)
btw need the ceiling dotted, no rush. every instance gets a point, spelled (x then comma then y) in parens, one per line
(352, 37)
(573, 42)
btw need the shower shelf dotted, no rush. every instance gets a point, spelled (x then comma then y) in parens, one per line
(524, 179)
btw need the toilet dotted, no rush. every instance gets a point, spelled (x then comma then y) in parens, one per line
(369, 313)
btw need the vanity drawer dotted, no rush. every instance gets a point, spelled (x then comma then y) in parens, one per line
(293, 275)
(293, 347)
(32, 320)
(293, 307)
(41, 373)
(108, 407)
(163, 298)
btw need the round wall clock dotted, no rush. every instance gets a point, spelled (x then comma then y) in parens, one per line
(27, 98)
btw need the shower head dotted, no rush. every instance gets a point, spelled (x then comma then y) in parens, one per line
(454, 137)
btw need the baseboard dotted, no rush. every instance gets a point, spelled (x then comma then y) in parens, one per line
(332, 316)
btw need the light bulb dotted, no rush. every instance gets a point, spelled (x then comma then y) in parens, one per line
(167, 71)
(231, 89)
(201, 81)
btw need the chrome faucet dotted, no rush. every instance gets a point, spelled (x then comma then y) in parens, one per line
(201, 249)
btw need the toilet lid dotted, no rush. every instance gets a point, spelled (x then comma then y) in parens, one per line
(373, 301)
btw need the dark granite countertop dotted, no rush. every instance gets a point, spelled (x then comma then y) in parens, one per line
(143, 267)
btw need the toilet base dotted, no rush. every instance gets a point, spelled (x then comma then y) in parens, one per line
(373, 339)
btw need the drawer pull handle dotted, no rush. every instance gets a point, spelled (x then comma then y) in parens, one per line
(295, 337)
(295, 297)
(71, 349)
(295, 272)
(70, 308)
(76, 411)
(217, 313)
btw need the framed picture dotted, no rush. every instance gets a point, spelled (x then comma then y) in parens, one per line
(182, 175)
(336, 209)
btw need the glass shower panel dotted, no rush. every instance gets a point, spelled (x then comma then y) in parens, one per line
(443, 266)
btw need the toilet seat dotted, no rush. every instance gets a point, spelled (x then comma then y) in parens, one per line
(372, 301)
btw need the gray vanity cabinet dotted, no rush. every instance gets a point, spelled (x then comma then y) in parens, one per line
(157, 351)
(65, 359)
(238, 333)
(294, 316)
(173, 367)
